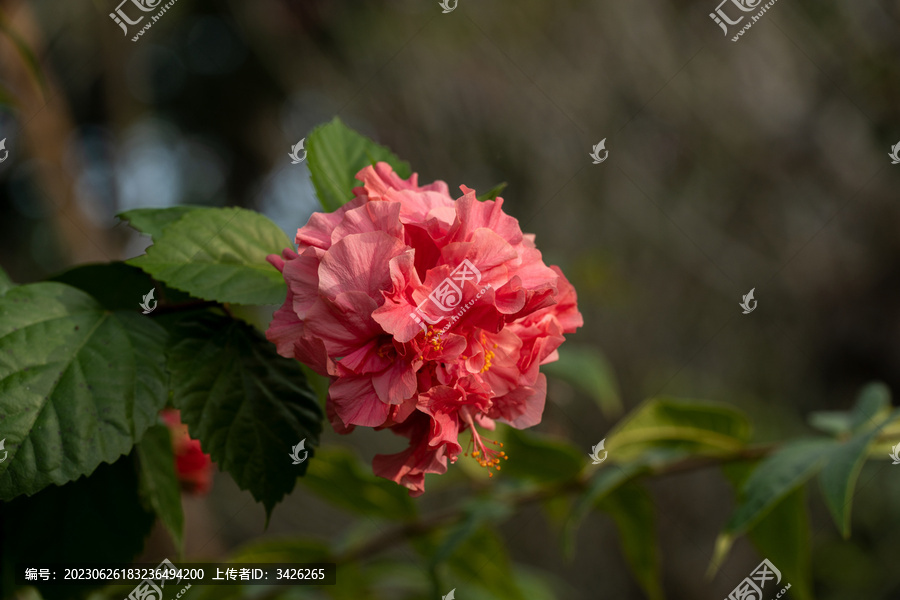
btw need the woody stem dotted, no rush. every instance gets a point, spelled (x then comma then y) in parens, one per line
(421, 527)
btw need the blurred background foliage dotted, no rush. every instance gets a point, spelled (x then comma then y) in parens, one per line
(760, 164)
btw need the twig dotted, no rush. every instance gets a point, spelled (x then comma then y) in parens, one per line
(443, 518)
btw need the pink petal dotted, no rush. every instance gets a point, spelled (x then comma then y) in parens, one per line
(356, 403)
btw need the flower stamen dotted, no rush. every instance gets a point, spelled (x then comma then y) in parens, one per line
(488, 354)
(483, 455)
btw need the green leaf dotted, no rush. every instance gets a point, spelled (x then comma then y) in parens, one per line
(607, 480)
(872, 406)
(477, 513)
(700, 427)
(247, 405)
(537, 458)
(131, 284)
(482, 561)
(6, 283)
(97, 519)
(335, 154)
(587, 369)
(219, 254)
(633, 511)
(338, 477)
(783, 537)
(152, 221)
(839, 475)
(834, 422)
(492, 193)
(79, 385)
(159, 482)
(774, 478)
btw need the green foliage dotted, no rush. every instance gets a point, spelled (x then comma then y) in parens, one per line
(770, 506)
(159, 485)
(492, 193)
(83, 376)
(606, 481)
(476, 514)
(338, 477)
(588, 369)
(776, 477)
(481, 561)
(838, 477)
(690, 425)
(130, 285)
(98, 519)
(865, 422)
(79, 384)
(335, 154)
(539, 459)
(153, 221)
(783, 537)
(872, 405)
(216, 254)
(633, 511)
(5, 282)
(247, 405)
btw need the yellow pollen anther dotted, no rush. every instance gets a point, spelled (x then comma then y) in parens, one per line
(483, 455)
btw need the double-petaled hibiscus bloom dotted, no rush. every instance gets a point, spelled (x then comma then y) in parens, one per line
(430, 316)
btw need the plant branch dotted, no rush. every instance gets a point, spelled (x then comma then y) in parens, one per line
(402, 532)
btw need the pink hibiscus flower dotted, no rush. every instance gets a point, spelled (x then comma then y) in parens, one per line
(431, 316)
(192, 466)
